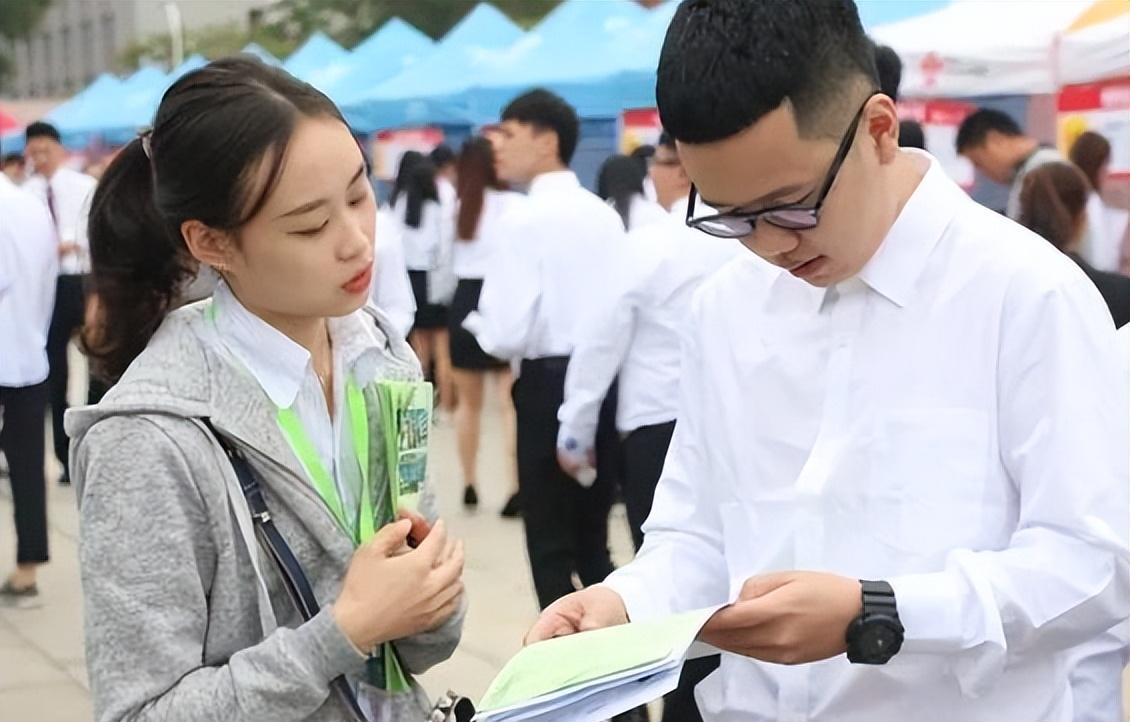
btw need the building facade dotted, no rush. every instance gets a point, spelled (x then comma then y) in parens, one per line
(77, 40)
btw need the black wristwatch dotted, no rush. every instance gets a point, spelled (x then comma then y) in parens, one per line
(875, 635)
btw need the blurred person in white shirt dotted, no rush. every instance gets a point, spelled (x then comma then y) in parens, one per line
(620, 183)
(66, 193)
(28, 261)
(14, 166)
(902, 443)
(1102, 243)
(392, 290)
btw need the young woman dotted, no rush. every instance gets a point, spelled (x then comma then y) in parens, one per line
(620, 183)
(255, 174)
(1053, 203)
(1101, 245)
(482, 204)
(426, 235)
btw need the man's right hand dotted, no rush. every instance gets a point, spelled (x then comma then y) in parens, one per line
(593, 608)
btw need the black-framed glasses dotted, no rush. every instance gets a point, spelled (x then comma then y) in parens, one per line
(791, 216)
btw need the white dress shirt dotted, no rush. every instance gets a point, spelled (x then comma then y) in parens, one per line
(1100, 247)
(284, 370)
(644, 212)
(640, 334)
(472, 257)
(28, 261)
(72, 193)
(392, 291)
(954, 420)
(552, 270)
(423, 244)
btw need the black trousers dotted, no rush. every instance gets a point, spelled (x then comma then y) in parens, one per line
(22, 412)
(66, 320)
(645, 449)
(566, 524)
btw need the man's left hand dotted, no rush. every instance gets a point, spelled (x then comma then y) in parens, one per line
(788, 618)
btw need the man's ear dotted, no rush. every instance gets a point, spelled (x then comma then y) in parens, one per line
(882, 122)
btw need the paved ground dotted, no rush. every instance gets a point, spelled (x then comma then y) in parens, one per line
(42, 671)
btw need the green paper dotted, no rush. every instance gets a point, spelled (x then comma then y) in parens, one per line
(559, 664)
(406, 420)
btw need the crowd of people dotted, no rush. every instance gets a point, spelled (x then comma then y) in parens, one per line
(760, 364)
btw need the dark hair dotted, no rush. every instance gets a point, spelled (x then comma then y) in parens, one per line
(547, 111)
(410, 158)
(214, 155)
(620, 179)
(1052, 200)
(13, 158)
(476, 173)
(976, 128)
(418, 186)
(665, 140)
(1091, 152)
(911, 135)
(441, 155)
(888, 66)
(39, 129)
(727, 63)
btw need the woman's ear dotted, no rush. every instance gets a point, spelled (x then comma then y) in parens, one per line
(206, 244)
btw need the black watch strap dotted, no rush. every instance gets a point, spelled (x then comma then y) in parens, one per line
(878, 598)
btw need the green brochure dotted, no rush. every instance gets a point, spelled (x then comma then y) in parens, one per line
(406, 420)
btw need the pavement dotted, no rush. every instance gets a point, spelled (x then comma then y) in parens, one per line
(43, 671)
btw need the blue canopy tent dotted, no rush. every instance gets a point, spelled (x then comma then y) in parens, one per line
(74, 117)
(393, 48)
(409, 99)
(319, 61)
(138, 101)
(258, 51)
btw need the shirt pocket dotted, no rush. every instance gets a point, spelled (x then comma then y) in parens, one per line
(928, 471)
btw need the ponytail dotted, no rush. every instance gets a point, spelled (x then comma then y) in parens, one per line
(138, 264)
(476, 173)
(1053, 201)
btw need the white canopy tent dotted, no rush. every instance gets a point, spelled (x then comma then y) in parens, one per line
(1005, 47)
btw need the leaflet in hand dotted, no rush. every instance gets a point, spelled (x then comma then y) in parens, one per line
(592, 676)
(406, 418)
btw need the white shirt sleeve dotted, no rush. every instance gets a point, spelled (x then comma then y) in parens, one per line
(1064, 429)
(605, 337)
(392, 291)
(683, 535)
(508, 304)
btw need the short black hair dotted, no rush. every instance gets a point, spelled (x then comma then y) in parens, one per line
(39, 129)
(665, 140)
(441, 155)
(727, 63)
(911, 135)
(12, 158)
(547, 111)
(977, 127)
(888, 64)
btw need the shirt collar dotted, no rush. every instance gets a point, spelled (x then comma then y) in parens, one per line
(679, 209)
(555, 182)
(281, 365)
(894, 270)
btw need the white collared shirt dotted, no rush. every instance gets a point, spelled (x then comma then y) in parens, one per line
(644, 212)
(423, 245)
(472, 258)
(72, 194)
(28, 261)
(392, 291)
(639, 336)
(552, 270)
(285, 371)
(954, 420)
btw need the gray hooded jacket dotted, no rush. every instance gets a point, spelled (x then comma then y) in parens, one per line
(174, 626)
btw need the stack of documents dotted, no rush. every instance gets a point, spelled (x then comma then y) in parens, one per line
(592, 676)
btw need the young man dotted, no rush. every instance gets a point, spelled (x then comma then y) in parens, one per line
(553, 270)
(14, 167)
(907, 442)
(27, 292)
(996, 146)
(661, 267)
(66, 193)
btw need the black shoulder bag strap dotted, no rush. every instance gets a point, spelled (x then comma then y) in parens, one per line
(297, 585)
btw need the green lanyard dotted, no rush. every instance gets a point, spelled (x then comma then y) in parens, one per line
(385, 669)
(365, 526)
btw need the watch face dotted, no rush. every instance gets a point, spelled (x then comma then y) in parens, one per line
(880, 639)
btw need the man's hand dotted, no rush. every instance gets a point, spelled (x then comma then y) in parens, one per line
(68, 249)
(593, 608)
(572, 462)
(788, 618)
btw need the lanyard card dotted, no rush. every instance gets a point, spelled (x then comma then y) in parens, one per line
(406, 421)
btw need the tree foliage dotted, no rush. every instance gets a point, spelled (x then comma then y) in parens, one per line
(17, 19)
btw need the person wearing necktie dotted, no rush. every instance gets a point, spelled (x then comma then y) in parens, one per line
(66, 193)
(900, 462)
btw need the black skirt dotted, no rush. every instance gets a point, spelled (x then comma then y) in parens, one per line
(428, 315)
(465, 351)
